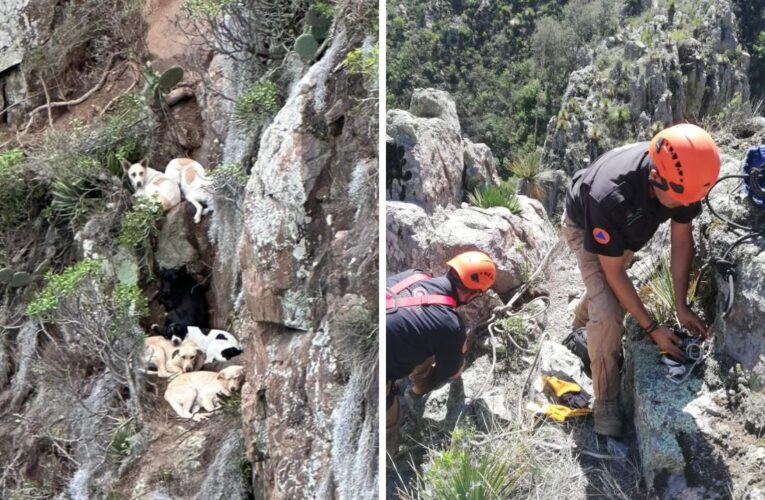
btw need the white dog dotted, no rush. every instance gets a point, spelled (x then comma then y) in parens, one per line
(191, 177)
(189, 393)
(218, 345)
(170, 360)
(153, 184)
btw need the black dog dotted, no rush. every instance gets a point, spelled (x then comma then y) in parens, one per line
(185, 303)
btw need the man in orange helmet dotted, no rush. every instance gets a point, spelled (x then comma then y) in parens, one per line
(613, 208)
(425, 336)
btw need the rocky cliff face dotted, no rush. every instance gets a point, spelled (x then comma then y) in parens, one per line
(430, 169)
(308, 255)
(670, 65)
(430, 162)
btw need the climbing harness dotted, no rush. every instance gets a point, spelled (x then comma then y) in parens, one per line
(393, 302)
(753, 177)
(693, 347)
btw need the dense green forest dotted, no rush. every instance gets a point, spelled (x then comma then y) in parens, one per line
(506, 63)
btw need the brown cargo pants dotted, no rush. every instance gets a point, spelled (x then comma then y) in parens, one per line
(600, 311)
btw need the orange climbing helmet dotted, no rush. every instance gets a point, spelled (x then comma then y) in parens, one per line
(475, 270)
(687, 160)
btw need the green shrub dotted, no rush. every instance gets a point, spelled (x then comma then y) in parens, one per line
(20, 194)
(363, 62)
(62, 285)
(461, 472)
(139, 225)
(82, 164)
(130, 301)
(258, 104)
(125, 429)
(496, 195)
(205, 8)
(619, 119)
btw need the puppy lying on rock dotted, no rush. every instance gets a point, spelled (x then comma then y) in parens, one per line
(218, 345)
(170, 360)
(190, 393)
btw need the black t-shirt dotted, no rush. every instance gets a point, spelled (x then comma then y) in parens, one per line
(415, 333)
(611, 201)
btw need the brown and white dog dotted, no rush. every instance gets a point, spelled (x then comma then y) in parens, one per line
(190, 393)
(169, 360)
(195, 186)
(153, 184)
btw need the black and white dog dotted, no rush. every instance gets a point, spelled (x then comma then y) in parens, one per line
(184, 300)
(218, 345)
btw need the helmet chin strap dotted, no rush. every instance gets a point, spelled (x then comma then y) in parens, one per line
(660, 184)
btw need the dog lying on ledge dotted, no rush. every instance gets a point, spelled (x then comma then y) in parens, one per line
(169, 360)
(190, 393)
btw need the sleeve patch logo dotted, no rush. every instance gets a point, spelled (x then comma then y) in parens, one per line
(601, 236)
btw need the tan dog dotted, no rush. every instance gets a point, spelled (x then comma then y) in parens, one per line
(153, 184)
(195, 186)
(189, 393)
(171, 360)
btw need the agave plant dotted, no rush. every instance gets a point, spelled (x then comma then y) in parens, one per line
(534, 178)
(496, 195)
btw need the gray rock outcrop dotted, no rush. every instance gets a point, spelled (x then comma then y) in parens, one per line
(429, 162)
(515, 242)
(307, 250)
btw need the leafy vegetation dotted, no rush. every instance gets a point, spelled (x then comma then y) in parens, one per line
(496, 195)
(62, 285)
(659, 294)
(20, 194)
(454, 473)
(125, 429)
(82, 164)
(258, 104)
(205, 8)
(505, 63)
(139, 225)
(363, 62)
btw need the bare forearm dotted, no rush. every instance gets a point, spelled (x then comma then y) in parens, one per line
(680, 267)
(622, 287)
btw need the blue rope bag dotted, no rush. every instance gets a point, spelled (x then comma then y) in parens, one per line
(754, 170)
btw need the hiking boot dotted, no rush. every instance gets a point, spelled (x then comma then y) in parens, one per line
(608, 418)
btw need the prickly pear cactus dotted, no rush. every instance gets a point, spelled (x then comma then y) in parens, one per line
(306, 46)
(170, 79)
(20, 279)
(5, 276)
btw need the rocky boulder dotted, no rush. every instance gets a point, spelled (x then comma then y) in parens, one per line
(517, 243)
(429, 162)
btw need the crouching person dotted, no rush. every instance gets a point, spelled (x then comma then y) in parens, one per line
(426, 338)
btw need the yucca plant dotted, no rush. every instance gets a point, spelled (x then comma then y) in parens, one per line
(659, 294)
(496, 195)
(534, 178)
